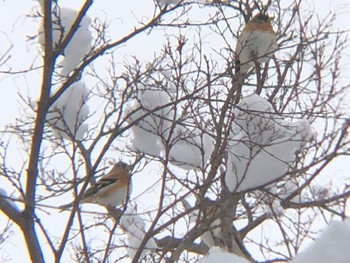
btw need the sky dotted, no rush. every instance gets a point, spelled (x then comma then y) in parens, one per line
(16, 28)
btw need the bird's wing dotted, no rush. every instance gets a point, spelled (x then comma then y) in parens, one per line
(101, 184)
(240, 44)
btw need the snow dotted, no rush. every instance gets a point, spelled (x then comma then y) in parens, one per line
(190, 148)
(317, 192)
(154, 127)
(3, 194)
(154, 121)
(331, 246)
(134, 226)
(209, 237)
(218, 255)
(168, 2)
(282, 188)
(149, 131)
(263, 145)
(146, 142)
(68, 113)
(158, 121)
(80, 44)
(214, 232)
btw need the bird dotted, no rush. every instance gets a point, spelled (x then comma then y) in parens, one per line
(113, 189)
(256, 43)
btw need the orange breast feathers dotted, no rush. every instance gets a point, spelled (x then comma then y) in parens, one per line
(263, 26)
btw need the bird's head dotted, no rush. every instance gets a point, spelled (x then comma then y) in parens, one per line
(261, 17)
(123, 166)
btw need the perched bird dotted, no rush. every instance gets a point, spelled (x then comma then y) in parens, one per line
(256, 43)
(113, 189)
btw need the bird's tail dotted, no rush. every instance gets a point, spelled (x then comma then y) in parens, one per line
(238, 81)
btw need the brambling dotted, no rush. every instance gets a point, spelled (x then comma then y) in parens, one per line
(113, 189)
(256, 43)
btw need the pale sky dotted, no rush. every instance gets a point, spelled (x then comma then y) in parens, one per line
(16, 28)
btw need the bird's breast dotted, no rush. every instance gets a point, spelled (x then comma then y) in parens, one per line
(256, 43)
